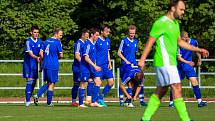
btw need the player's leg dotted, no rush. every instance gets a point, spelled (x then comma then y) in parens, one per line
(74, 90)
(197, 92)
(121, 97)
(110, 82)
(84, 77)
(28, 90)
(129, 90)
(89, 91)
(35, 77)
(171, 104)
(96, 90)
(141, 96)
(154, 103)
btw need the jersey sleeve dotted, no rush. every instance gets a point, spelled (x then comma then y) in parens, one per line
(28, 47)
(77, 47)
(195, 43)
(59, 47)
(121, 45)
(136, 46)
(86, 49)
(108, 40)
(157, 30)
(179, 51)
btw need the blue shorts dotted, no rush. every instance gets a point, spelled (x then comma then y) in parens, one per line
(30, 73)
(105, 72)
(51, 76)
(186, 70)
(84, 77)
(76, 76)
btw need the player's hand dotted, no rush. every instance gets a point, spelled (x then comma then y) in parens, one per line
(38, 59)
(129, 97)
(141, 64)
(97, 68)
(204, 53)
(110, 66)
(191, 63)
(135, 98)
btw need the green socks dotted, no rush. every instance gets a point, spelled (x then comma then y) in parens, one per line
(181, 109)
(153, 105)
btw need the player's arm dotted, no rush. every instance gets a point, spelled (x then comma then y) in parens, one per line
(191, 63)
(187, 46)
(124, 91)
(137, 92)
(109, 61)
(199, 59)
(34, 56)
(88, 60)
(146, 51)
(119, 53)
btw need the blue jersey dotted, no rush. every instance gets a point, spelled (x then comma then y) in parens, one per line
(102, 48)
(89, 50)
(187, 54)
(78, 48)
(129, 48)
(34, 47)
(129, 72)
(52, 48)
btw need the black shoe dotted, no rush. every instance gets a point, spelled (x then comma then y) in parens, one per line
(35, 100)
(202, 104)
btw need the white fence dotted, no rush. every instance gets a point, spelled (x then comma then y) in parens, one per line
(117, 77)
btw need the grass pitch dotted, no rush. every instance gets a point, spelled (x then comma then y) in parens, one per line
(63, 112)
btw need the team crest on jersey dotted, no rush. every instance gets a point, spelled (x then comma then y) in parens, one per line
(39, 45)
(135, 45)
(101, 44)
(127, 44)
(107, 43)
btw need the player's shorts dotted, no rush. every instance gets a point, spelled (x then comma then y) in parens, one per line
(51, 76)
(105, 72)
(30, 73)
(76, 76)
(84, 77)
(167, 75)
(186, 70)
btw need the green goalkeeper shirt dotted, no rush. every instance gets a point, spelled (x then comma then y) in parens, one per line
(166, 32)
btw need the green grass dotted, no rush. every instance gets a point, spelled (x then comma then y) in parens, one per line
(63, 112)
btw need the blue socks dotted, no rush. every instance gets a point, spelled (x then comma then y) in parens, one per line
(95, 95)
(105, 91)
(42, 90)
(74, 91)
(49, 97)
(129, 90)
(90, 88)
(197, 92)
(121, 96)
(81, 96)
(28, 90)
(141, 94)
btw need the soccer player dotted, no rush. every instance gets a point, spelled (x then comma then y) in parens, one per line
(185, 68)
(50, 52)
(88, 66)
(31, 60)
(165, 33)
(127, 52)
(132, 77)
(78, 52)
(103, 60)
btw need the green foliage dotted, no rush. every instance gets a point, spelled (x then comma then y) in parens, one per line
(17, 16)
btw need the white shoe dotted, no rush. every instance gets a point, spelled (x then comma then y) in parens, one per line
(130, 105)
(27, 104)
(95, 105)
(82, 106)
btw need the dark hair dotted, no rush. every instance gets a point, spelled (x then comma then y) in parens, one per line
(84, 30)
(34, 27)
(93, 31)
(173, 3)
(132, 27)
(104, 26)
(138, 76)
(57, 30)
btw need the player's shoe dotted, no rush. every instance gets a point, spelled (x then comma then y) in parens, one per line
(143, 104)
(102, 102)
(74, 104)
(50, 105)
(96, 105)
(130, 105)
(82, 106)
(27, 104)
(171, 105)
(202, 104)
(35, 100)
